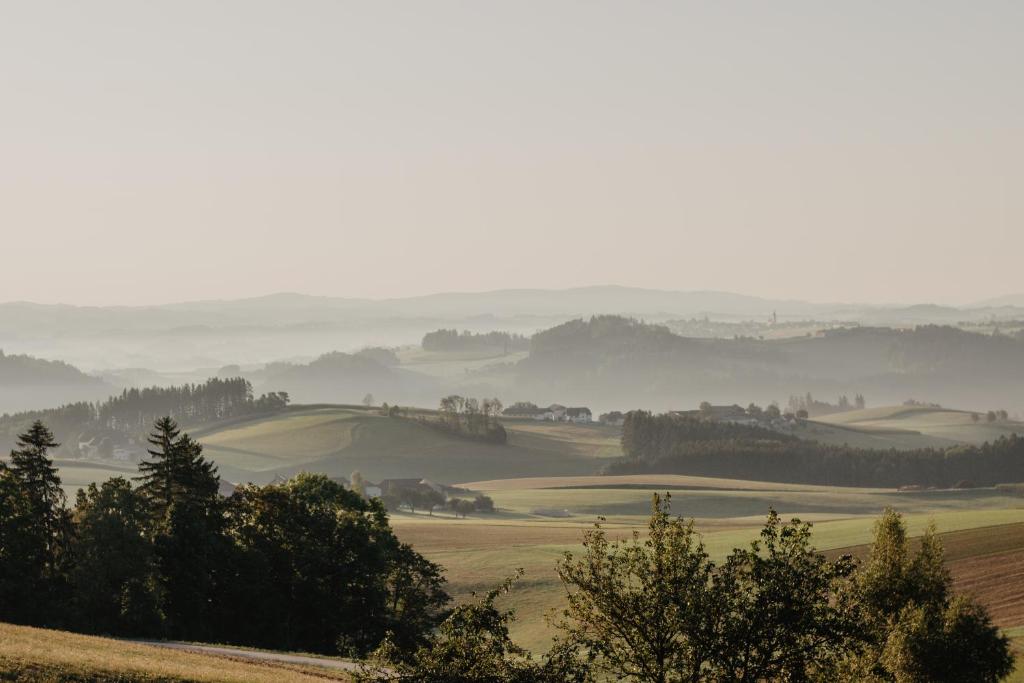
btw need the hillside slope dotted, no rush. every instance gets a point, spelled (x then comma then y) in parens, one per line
(41, 655)
(909, 427)
(339, 440)
(28, 383)
(614, 362)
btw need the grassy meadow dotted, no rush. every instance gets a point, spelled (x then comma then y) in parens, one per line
(337, 441)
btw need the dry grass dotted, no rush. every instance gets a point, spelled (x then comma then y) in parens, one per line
(32, 654)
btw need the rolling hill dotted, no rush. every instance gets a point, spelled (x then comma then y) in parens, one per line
(982, 529)
(36, 655)
(908, 427)
(339, 440)
(611, 362)
(28, 383)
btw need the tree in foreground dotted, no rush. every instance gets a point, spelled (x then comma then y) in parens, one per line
(915, 628)
(471, 646)
(32, 466)
(180, 490)
(326, 572)
(637, 608)
(782, 611)
(35, 530)
(658, 610)
(113, 579)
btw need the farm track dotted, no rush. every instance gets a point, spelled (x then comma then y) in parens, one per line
(255, 655)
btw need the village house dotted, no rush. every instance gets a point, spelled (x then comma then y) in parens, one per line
(555, 412)
(578, 415)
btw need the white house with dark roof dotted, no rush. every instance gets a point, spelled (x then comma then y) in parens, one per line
(581, 415)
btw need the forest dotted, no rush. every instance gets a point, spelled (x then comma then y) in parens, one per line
(453, 340)
(674, 444)
(127, 416)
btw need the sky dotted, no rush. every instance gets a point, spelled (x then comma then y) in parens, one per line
(154, 151)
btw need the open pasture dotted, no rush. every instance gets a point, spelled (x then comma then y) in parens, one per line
(339, 440)
(908, 427)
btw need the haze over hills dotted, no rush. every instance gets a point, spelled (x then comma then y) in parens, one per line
(185, 336)
(28, 382)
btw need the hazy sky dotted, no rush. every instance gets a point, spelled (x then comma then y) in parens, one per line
(162, 151)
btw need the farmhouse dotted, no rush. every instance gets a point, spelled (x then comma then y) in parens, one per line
(578, 415)
(528, 410)
(555, 412)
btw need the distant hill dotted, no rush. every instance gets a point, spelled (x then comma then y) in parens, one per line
(908, 427)
(338, 440)
(346, 378)
(613, 362)
(181, 337)
(1014, 300)
(28, 383)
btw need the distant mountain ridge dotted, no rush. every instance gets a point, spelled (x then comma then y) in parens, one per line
(181, 337)
(574, 301)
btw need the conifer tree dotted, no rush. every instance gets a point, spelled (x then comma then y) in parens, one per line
(33, 468)
(180, 488)
(177, 472)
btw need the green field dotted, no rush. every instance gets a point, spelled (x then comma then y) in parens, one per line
(76, 474)
(336, 441)
(906, 427)
(480, 551)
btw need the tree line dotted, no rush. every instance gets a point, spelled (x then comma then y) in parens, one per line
(132, 411)
(453, 340)
(682, 445)
(301, 565)
(655, 608)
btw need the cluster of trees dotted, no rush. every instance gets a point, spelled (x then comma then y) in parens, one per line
(808, 405)
(992, 416)
(680, 445)
(130, 413)
(453, 340)
(301, 565)
(655, 608)
(425, 498)
(653, 438)
(470, 418)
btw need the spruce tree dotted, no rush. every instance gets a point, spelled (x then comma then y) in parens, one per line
(44, 526)
(33, 468)
(177, 472)
(180, 488)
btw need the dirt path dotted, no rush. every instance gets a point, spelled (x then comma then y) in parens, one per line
(256, 655)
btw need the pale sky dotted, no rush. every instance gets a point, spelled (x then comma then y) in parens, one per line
(165, 151)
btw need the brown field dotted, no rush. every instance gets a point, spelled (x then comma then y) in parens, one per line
(40, 655)
(987, 563)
